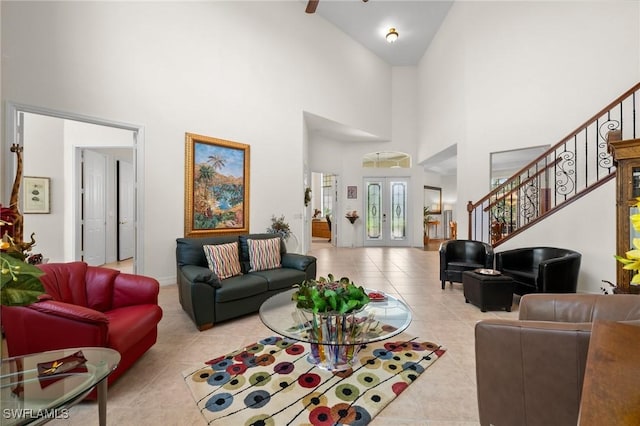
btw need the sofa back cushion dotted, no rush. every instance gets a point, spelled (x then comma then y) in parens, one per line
(77, 283)
(244, 248)
(65, 282)
(264, 254)
(223, 259)
(189, 251)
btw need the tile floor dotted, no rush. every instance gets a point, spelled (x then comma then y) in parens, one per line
(153, 393)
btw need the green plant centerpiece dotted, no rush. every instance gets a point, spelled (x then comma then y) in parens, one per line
(330, 311)
(330, 295)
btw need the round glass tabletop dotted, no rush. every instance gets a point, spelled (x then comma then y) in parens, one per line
(378, 320)
(43, 384)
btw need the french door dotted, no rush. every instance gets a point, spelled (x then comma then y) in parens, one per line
(386, 205)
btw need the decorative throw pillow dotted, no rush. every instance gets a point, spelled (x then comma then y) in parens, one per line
(223, 259)
(264, 254)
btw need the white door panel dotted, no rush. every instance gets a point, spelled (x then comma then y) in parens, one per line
(94, 208)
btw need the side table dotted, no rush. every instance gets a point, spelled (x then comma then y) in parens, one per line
(27, 397)
(488, 291)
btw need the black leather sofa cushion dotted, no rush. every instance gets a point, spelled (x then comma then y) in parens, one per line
(279, 279)
(190, 253)
(241, 286)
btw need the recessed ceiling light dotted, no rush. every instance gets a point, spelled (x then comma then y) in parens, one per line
(392, 35)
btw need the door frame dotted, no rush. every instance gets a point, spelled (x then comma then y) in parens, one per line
(11, 131)
(120, 201)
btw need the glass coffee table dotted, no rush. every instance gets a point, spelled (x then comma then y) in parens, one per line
(37, 388)
(335, 339)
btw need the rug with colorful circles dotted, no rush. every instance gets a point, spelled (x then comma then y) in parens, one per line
(271, 383)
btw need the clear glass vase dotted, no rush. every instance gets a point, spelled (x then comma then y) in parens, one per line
(338, 339)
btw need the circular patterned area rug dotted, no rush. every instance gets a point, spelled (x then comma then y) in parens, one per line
(271, 383)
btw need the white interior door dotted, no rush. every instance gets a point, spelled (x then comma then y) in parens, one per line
(387, 214)
(126, 197)
(94, 208)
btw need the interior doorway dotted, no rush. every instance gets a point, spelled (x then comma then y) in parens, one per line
(57, 155)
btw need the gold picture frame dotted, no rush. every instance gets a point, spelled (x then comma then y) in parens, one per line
(36, 195)
(216, 186)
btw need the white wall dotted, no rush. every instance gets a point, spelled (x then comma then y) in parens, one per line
(588, 226)
(519, 74)
(50, 150)
(344, 158)
(230, 70)
(43, 156)
(505, 75)
(495, 70)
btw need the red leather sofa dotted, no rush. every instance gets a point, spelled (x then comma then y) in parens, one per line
(87, 306)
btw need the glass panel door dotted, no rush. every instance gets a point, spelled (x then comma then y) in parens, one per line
(386, 220)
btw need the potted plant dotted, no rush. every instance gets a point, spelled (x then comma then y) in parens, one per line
(352, 216)
(328, 295)
(280, 227)
(426, 218)
(329, 309)
(630, 260)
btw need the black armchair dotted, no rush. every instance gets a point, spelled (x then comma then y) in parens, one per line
(540, 269)
(457, 256)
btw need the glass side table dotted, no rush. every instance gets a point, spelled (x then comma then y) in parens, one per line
(27, 397)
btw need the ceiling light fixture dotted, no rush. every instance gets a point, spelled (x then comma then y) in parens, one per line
(392, 35)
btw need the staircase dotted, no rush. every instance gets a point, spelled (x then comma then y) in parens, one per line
(570, 169)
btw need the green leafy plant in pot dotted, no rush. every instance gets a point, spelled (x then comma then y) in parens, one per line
(329, 309)
(330, 295)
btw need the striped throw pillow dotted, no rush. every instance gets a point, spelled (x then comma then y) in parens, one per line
(264, 254)
(223, 259)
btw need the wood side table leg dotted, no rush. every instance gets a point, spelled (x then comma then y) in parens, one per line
(102, 402)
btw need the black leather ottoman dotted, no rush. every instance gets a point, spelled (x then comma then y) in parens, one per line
(488, 291)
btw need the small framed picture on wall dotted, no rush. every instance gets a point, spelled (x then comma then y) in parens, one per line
(352, 192)
(35, 193)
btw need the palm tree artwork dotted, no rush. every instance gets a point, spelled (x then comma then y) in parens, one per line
(219, 187)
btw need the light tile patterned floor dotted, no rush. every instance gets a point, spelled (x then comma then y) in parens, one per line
(152, 392)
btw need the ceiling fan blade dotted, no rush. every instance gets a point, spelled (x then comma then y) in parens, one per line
(311, 6)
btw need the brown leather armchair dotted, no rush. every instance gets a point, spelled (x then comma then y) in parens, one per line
(530, 371)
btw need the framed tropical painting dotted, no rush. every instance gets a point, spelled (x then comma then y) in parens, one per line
(216, 186)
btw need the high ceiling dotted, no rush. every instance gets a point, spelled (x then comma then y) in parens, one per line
(416, 22)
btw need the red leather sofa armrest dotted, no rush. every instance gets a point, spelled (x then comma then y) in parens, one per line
(131, 290)
(66, 310)
(49, 325)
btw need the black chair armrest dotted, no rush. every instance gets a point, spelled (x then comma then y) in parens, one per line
(559, 275)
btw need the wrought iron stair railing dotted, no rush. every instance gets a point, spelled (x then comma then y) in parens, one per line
(570, 169)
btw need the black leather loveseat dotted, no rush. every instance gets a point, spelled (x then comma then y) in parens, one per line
(540, 269)
(208, 299)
